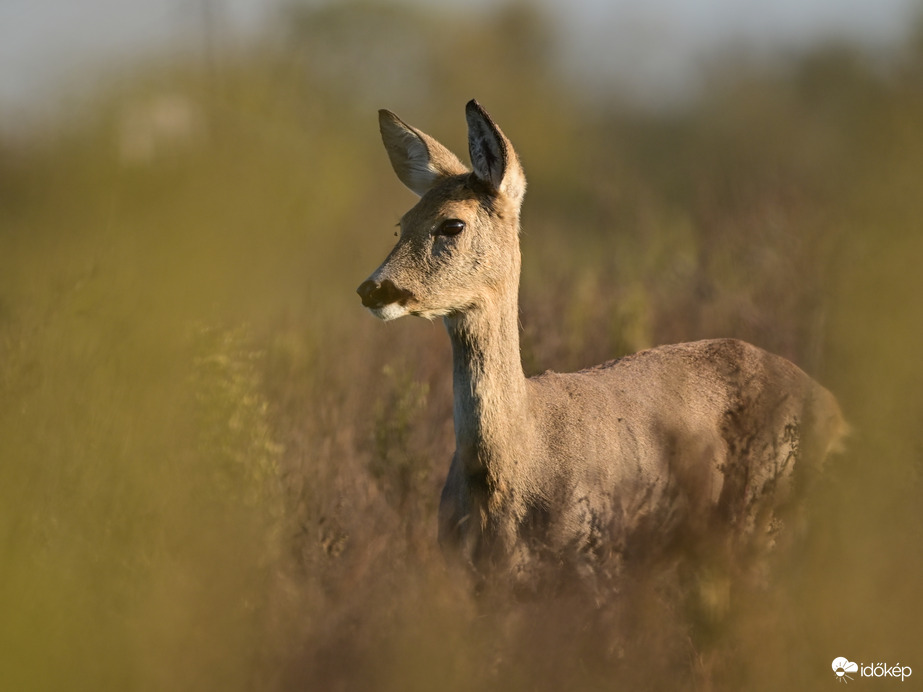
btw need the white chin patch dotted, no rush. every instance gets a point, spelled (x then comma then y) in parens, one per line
(389, 312)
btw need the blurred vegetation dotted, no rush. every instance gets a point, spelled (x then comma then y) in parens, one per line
(218, 472)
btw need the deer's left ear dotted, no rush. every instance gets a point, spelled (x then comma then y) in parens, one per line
(492, 156)
(419, 160)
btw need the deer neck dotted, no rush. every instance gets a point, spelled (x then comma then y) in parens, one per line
(488, 384)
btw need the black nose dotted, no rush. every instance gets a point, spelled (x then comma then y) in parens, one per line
(376, 295)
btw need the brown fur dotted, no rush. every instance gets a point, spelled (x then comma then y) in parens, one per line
(576, 471)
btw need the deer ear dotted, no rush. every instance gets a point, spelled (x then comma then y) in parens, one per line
(494, 160)
(418, 159)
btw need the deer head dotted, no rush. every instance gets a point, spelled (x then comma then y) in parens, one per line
(459, 246)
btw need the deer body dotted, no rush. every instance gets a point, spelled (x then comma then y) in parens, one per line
(577, 470)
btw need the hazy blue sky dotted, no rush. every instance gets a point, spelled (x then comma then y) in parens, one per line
(651, 44)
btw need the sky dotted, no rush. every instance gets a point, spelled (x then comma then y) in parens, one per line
(652, 45)
(659, 45)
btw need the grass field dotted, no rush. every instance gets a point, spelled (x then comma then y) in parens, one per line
(217, 471)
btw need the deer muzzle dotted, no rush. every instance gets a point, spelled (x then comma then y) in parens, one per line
(376, 295)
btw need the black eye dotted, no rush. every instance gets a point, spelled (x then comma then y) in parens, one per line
(451, 227)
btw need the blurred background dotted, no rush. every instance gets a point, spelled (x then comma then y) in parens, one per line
(217, 471)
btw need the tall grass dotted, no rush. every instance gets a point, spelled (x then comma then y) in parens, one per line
(218, 472)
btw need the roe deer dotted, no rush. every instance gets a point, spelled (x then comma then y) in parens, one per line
(575, 471)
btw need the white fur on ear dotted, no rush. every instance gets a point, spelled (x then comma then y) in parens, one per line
(419, 160)
(492, 156)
